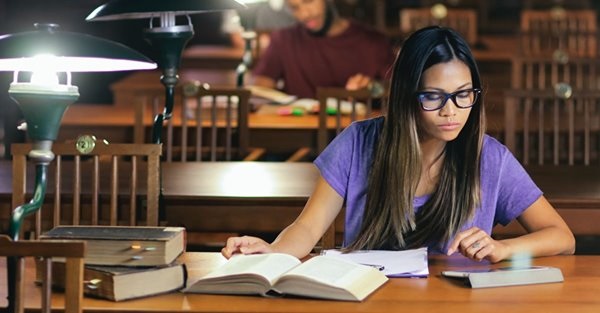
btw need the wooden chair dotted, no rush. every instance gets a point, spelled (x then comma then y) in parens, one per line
(259, 44)
(464, 21)
(542, 32)
(544, 72)
(108, 185)
(224, 132)
(337, 107)
(333, 236)
(347, 104)
(543, 128)
(545, 4)
(73, 251)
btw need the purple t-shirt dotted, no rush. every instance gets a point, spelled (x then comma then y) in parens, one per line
(506, 188)
(305, 62)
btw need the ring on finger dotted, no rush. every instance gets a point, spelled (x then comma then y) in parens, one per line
(475, 245)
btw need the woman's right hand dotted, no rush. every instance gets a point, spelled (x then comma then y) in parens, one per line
(245, 245)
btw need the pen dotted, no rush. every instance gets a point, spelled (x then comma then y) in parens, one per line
(377, 266)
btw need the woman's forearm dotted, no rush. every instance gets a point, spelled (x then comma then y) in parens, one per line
(551, 240)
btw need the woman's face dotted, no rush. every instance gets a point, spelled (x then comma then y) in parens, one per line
(437, 81)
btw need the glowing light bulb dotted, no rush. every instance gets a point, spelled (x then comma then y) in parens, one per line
(44, 78)
(45, 73)
(439, 11)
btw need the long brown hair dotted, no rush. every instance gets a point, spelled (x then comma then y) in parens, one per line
(389, 219)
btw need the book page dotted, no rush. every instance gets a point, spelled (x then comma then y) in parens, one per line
(270, 266)
(330, 271)
(331, 278)
(271, 94)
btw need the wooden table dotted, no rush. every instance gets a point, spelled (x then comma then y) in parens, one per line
(267, 196)
(578, 293)
(211, 57)
(236, 196)
(239, 195)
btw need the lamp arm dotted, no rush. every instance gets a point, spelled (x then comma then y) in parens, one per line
(243, 67)
(20, 212)
(169, 81)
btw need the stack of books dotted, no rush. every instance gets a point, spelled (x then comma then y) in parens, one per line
(125, 262)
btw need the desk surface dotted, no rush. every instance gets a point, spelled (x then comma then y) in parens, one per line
(578, 293)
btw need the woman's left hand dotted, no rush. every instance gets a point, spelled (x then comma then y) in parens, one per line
(476, 244)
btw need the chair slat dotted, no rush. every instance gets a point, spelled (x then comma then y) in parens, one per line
(76, 191)
(114, 188)
(95, 190)
(554, 130)
(220, 124)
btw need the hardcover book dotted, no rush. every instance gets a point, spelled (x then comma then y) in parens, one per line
(125, 246)
(278, 274)
(508, 276)
(119, 283)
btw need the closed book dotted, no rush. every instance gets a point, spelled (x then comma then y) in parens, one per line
(277, 274)
(125, 246)
(507, 276)
(119, 283)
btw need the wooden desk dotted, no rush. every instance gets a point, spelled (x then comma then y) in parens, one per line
(578, 293)
(211, 57)
(210, 196)
(236, 196)
(267, 196)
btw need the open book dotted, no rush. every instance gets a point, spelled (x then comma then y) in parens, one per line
(282, 274)
(272, 95)
(307, 105)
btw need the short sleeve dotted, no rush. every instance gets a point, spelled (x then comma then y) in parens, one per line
(516, 190)
(335, 161)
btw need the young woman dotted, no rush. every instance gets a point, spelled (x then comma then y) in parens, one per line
(425, 174)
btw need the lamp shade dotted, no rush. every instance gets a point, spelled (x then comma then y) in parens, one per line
(135, 9)
(72, 52)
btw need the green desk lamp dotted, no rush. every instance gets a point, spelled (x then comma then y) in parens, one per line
(168, 39)
(51, 56)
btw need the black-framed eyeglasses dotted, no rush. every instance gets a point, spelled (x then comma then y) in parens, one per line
(435, 100)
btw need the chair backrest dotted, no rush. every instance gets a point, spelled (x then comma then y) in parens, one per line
(105, 186)
(259, 43)
(542, 32)
(222, 114)
(464, 21)
(544, 72)
(338, 107)
(543, 128)
(16, 251)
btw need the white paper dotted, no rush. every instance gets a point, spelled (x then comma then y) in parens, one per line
(404, 263)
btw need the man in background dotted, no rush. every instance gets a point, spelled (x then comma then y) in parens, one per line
(322, 49)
